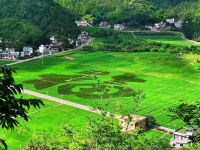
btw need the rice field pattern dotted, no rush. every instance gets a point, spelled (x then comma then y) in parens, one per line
(89, 90)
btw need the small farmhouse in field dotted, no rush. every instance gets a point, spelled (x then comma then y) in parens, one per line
(28, 50)
(132, 122)
(104, 24)
(181, 138)
(119, 27)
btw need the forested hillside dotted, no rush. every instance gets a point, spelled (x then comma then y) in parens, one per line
(32, 22)
(134, 12)
(138, 13)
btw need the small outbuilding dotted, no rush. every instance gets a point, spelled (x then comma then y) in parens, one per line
(104, 24)
(82, 23)
(170, 20)
(130, 123)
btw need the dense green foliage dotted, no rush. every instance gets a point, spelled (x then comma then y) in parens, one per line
(12, 107)
(27, 22)
(19, 33)
(134, 13)
(189, 113)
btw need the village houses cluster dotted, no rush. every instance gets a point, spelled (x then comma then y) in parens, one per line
(47, 49)
(102, 24)
(27, 51)
(167, 24)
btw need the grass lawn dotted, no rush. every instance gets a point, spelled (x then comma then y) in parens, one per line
(165, 37)
(165, 80)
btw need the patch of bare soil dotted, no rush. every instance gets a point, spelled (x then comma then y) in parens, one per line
(68, 58)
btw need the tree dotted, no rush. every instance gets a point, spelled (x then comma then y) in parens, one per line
(12, 105)
(88, 18)
(188, 113)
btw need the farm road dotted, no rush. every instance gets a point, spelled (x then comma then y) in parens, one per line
(87, 108)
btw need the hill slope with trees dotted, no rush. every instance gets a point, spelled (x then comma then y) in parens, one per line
(138, 13)
(27, 22)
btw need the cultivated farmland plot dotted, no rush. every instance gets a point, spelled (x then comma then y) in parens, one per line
(165, 37)
(82, 77)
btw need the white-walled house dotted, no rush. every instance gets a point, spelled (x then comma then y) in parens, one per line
(9, 53)
(170, 20)
(28, 50)
(82, 23)
(181, 138)
(42, 49)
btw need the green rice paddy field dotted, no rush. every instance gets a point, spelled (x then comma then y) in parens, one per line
(165, 80)
(49, 119)
(165, 37)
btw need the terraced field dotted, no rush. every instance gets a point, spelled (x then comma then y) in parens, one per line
(165, 79)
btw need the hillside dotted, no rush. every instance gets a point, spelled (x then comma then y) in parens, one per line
(138, 13)
(32, 22)
(134, 12)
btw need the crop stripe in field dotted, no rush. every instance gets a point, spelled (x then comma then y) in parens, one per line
(42, 110)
